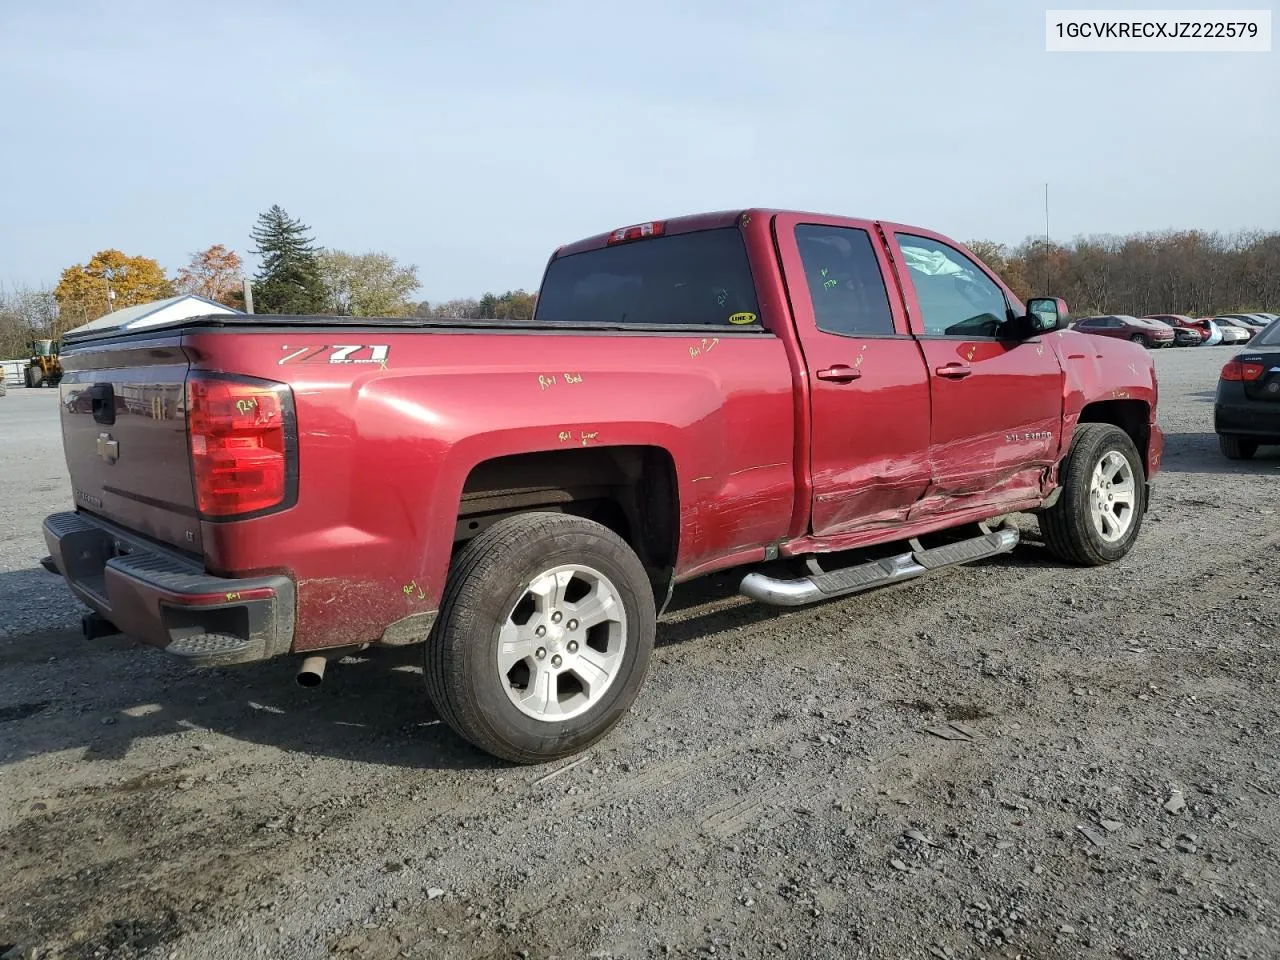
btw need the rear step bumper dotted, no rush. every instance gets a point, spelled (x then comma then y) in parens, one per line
(877, 573)
(167, 601)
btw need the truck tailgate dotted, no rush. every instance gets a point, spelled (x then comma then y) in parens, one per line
(124, 433)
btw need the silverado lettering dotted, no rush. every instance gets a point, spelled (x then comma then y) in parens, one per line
(855, 385)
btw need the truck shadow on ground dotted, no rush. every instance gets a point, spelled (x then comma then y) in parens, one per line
(1198, 452)
(97, 699)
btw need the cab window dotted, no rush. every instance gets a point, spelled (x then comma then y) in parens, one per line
(844, 279)
(702, 278)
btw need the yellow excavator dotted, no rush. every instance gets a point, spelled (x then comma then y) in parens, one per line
(44, 367)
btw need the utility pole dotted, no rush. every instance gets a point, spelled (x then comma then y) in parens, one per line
(248, 294)
(1046, 239)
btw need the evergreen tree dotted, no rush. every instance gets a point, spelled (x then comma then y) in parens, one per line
(289, 279)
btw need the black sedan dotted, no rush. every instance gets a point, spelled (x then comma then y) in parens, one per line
(1246, 411)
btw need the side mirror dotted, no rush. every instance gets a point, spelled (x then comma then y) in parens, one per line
(1048, 313)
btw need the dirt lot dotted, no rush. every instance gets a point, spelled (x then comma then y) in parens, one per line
(774, 791)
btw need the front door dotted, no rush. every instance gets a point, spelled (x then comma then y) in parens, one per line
(868, 390)
(996, 403)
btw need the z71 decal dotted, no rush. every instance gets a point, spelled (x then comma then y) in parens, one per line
(338, 354)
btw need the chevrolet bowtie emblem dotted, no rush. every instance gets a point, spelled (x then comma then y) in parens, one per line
(108, 449)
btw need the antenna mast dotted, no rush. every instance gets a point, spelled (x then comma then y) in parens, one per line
(1046, 239)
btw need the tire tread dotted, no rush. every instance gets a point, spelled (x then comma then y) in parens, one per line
(1064, 526)
(445, 666)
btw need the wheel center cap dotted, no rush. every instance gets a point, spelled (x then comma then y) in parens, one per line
(555, 638)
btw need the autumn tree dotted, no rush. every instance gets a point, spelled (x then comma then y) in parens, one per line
(367, 284)
(213, 274)
(110, 281)
(462, 309)
(289, 278)
(514, 305)
(1175, 271)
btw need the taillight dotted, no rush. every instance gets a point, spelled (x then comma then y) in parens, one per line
(638, 232)
(1236, 370)
(243, 441)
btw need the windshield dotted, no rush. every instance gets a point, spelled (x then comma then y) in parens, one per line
(701, 278)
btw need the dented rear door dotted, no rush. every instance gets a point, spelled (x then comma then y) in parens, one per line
(868, 391)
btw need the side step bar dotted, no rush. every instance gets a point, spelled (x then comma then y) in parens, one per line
(877, 573)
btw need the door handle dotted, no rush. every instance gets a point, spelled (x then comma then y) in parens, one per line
(840, 373)
(954, 371)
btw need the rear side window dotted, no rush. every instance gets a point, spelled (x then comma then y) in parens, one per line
(844, 279)
(1269, 337)
(696, 279)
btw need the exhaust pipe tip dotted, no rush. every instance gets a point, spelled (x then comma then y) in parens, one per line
(311, 674)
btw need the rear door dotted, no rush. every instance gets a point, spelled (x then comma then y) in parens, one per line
(124, 434)
(869, 393)
(996, 405)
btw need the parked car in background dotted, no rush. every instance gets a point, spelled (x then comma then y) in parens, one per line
(1173, 319)
(1255, 320)
(1244, 331)
(1233, 332)
(1246, 410)
(1149, 333)
(1183, 336)
(1210, 332)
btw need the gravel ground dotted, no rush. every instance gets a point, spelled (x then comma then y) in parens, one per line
(774, 792)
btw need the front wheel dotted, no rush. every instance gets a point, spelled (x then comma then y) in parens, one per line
(1237, 448)
(1140, 340)
(1097, 517)
(34, 377)
(543, 637)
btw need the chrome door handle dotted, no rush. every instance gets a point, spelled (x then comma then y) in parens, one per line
(839, 373)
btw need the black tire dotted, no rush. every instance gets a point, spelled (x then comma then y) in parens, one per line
(1237, 448)
(34, 377)
(488, 578)
(1067, 526)
(1140, 339)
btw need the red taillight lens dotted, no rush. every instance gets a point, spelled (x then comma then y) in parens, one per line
(243, 445)
(1235, 370)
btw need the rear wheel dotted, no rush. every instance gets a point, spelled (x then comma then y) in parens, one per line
(543, 637)
(1099, 513)
(1237, 448)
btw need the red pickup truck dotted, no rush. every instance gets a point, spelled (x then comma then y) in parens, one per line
(756, 389)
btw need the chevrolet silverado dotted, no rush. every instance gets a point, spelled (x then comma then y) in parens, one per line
(765, 390)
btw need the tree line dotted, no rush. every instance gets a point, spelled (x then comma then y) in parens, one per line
(1194, 272)
(295, 276)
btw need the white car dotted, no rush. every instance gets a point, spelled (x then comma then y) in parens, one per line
(1234, 331)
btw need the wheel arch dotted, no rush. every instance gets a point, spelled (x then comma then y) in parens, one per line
(1131, 416)
(631, 489)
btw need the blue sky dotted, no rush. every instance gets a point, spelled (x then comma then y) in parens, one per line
(472, 138)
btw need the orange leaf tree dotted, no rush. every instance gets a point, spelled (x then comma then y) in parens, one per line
(82, 293)
(213, 274)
